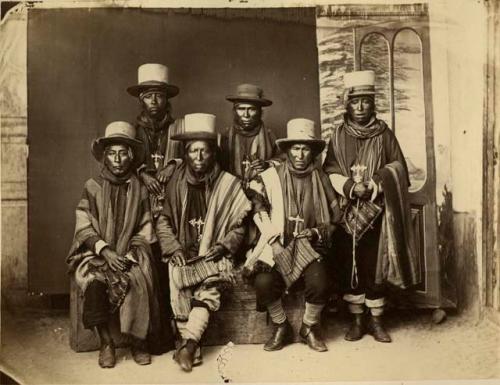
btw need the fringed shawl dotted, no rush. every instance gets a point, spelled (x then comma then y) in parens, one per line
(398, 262)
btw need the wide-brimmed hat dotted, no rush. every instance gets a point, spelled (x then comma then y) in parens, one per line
(301, 131)
(359, 83)
(249, 93)
(119, 133)
(198, 126)
(153, 76)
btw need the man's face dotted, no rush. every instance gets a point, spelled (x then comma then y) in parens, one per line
(155, 104)
(247, 115)
(360, 109)
(118, 159)
(300, 155)
(200, 156)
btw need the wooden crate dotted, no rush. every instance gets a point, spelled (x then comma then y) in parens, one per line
(239, 322)
(236, 321)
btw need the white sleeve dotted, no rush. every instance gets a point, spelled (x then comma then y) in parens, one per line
(338, 181)
(99, 245)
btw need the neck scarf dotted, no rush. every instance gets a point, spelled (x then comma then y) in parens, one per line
(373, 128)
(370, 148)
(299, 173)
(262, 147)
(114, 179)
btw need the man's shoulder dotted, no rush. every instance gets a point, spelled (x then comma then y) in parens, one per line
(93, 185)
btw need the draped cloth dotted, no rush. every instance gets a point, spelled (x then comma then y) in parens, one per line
(376, 147)
(397, 261)
(276, 190)
(155, 137)
(138, 305)
(262, 147)
(369, 152)
(227, 207)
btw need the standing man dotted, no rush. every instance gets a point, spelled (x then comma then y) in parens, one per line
(200, 230)
(369, 172)
(296, 211)
(155, 125)
(249, 144)
(110, 254)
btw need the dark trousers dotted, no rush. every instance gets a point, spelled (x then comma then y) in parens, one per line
(95, 305)
(269, 286)
(366, 261)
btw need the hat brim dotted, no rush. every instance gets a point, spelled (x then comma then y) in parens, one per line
(317, 145)
(239, 99)
(137, 147)
(186, 136)
(169, 89)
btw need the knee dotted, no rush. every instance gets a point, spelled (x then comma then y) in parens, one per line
(319, 288)
(95, 289)
(264, 282)
(317, 283)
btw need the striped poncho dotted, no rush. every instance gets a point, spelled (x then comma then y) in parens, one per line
(97, 216)
(227, 207)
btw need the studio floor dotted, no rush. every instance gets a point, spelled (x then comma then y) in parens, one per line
(35, 350)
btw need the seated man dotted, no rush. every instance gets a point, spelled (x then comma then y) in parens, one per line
(110, 254)
(296, 211)
(200, 230)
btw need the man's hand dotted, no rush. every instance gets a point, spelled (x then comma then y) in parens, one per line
(374, 188)
(165, 173)
(216, 252)
(259, 165)
(178, 258)
(151, 183)
(114, 261)
(277, 247)
(310, 234)
(361, 191)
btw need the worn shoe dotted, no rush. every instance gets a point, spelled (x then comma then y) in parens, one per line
(282, 336)
(311, 335)
(140, 354)
(107, 357)
(357, 329)
(377, 329)
(198, 358)
(184, 355)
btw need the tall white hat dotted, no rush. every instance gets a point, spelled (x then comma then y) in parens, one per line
(152, 76)
(198, 126)
(301, 130)
(359, 83)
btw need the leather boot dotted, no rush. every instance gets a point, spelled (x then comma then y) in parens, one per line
(184, 355)
(311, 335)
(357, 329)
(140, 353)
(198, 358)
(107, 357)
(377, 329)
(282, 336)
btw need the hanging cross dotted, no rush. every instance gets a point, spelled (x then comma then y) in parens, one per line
(157, 158)
(358, 172)
(197, 223)
(246, 163)
(297, 220)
